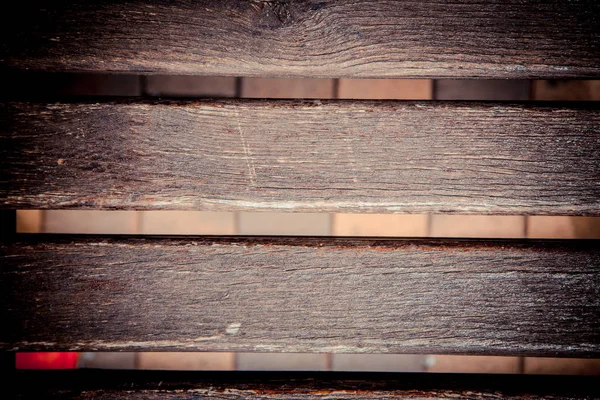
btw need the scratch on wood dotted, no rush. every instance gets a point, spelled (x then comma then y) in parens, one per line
(351, 158)
(232, 329)
(247, 152)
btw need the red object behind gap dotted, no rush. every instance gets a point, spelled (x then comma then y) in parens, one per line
(46, 360)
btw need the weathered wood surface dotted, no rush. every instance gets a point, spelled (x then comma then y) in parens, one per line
(326, 38)
(301, 295)
(100, 384)
(338, 156)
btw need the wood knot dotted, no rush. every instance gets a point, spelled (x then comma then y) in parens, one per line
(274, 14)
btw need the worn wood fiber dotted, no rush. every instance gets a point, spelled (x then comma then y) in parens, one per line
(103, 384)
(301, 295)
(308, 38)
(338, 156)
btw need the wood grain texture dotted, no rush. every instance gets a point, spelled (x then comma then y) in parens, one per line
(309, 38)
(336, 156)
(301, 295)
(108, 384)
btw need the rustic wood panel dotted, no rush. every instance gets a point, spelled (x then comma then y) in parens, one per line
(301, 295)
(336, 156)
(293, 385)
(309, 38)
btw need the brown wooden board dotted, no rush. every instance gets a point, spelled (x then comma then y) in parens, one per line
(103, 384)
(335, 156)
(308, 38)
(300, 295)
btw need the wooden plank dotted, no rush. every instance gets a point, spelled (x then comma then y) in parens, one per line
(309, 38)
(294, 385)
(335, 156)
(301, 295)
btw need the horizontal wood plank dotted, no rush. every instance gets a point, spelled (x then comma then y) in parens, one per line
(309, 38)
(293, 385)
(336, 156)
(301, 295)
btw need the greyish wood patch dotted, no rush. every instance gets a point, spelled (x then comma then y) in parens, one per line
(336, 156)
(309, 38)
(300, 295)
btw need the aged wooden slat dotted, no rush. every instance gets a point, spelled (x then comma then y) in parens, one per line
(301, 295)
(105, 384)
(337, 156)
(309, 38)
